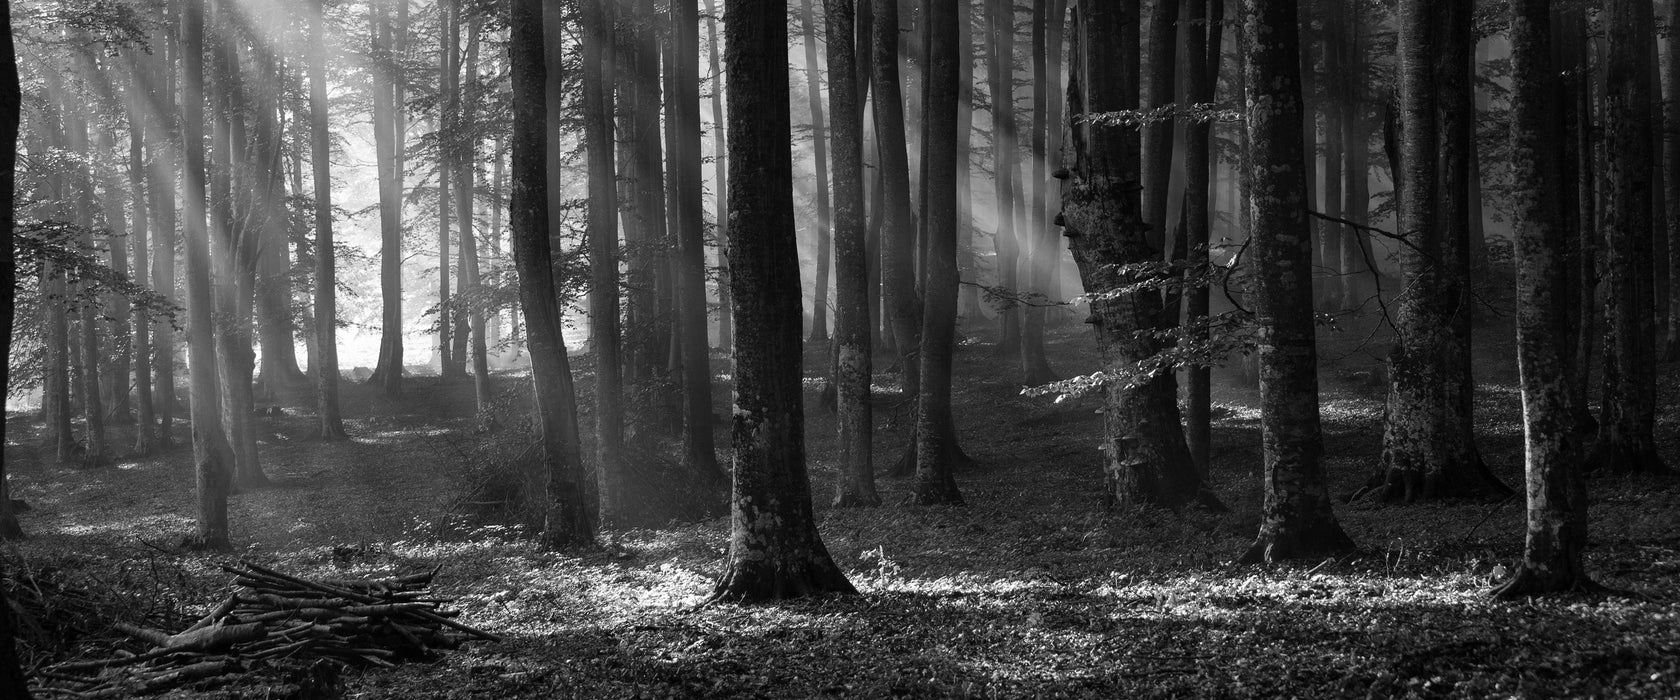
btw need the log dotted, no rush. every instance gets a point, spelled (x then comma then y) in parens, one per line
(215, 638)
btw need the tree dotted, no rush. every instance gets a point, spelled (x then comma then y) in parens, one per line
(819, 148)
(1201, 72)
(898, 230)
(212, 455)
(11, 108)
(1145, 458)
(567, 520)
(720, 169)
(1042, 247)
(774, 549)
(1671, 183)
(93, 412)
(689, 231)
(855, 423)
(1006, 244)
(160, 95)
(598, 62)
(1429, 449)
(145, 435)
(464, 147)
(1557, 497)
(326, 270)
(387, 138)
(1296, 520)
(1159, 70)
(936, 448)
(1626, 441)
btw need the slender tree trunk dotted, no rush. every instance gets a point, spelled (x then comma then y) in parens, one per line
(450, 38)
(1357, 273)
(819, 146)
(1626, 440)
(1557, 505)
(720, 165)
(161, 183)
(774, 549)
(649, 339)
(1671, 181)
(599, 62)
(145, 432)
(274, 287)
(1006, 244)
(1160, 71)
(118, 349)
(855, 422)
(88, 310)
(326, 282)
(386, 136)
(1296, 519)
(566, 517)
(212, 455)
(898, 229)
(1201, 74)
(1586, 193)
(466, 154)
(1040, 240)
(1145, 457)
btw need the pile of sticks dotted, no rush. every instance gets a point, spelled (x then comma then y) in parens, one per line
(272, 619)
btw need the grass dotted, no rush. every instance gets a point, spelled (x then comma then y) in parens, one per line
(1030, 590)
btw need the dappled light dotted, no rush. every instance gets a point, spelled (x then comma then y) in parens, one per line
(400, 349)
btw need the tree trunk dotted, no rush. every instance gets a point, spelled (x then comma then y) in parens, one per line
(450, 42)
(145, 433)
(1296, 519)
(118, 349)
(1429, 449)
(898, 229)
(466, 155)
(1042, 248)
(649, 339)
(853, 371)
(212, 455)
(1626, 441)
(936, 449)
(274, 287)
(1356, 263)
(1145, 458)
(326, 282)
(566, 517)
(774, 549)
(819, 146)
(1006, 244)
(386, 136)
(12, 681)
(161, 183)
(1200, 76)
(599, 62)
(1557, 506)
(1671, 182)
(1160, 71)
(93, 413)
(720, 165)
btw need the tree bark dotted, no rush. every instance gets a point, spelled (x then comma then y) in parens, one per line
(1145, 458)
(1557, 506)
(853, 372)
(326, 271)
(720, 170)
(466, 155)
(145, 433)
(88, 311)
(1041, 247)
(1671, 182)
(212, 455)
(1626, 440)
(774, 549)
(898, 229)
(1006, 244)
(12, 681)
(1429, 449)
(567, 522)
(386, 136)
(599, 61)
(1200, 76)
(1160, 71)
(819, 147)
(1296, 519)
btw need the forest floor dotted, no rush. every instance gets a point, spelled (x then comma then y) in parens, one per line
(1030, 590)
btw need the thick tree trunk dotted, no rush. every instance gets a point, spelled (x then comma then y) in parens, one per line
(1557, 506)
(648, 335)
(1671, 182)
(1296, 519)
(1429, 449)
(12, 681)
(1145, 457)
(212, 455)
(599, 62)
(326, 283)
(566, 517)
(1626, 440)
(774, 549)
(274, 287)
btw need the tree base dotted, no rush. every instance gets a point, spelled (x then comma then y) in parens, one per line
(198, 542)
(1530, 582)
(1315, 542)
(857, 500)
(763, 582)
(9, 528)
(1468, 480)
(1623, 457)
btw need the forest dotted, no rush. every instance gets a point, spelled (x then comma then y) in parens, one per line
(840, 348)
